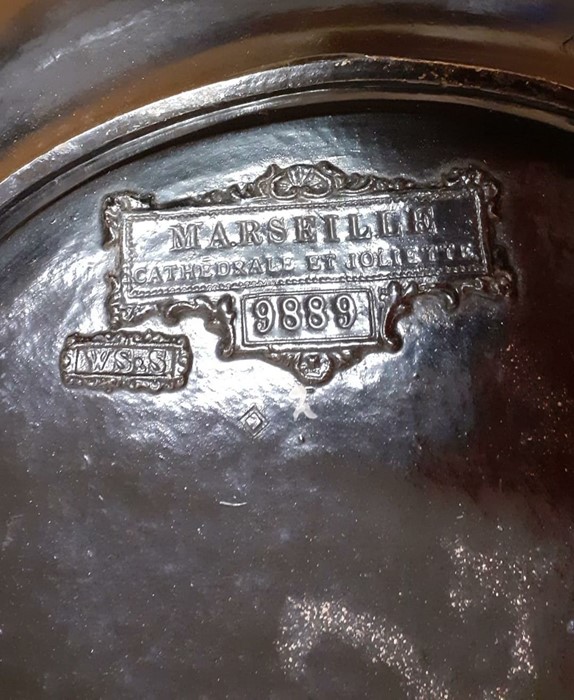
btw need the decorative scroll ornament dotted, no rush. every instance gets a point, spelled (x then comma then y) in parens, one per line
(307, 267)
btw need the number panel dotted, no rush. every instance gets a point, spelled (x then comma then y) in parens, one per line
(311, 318)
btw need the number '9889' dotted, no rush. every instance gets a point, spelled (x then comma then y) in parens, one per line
(313, 312)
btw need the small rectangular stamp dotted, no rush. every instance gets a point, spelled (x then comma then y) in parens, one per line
(134, 360)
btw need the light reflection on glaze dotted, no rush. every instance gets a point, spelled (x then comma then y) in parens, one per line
(478, 579)
(306, 621)
(514, 582)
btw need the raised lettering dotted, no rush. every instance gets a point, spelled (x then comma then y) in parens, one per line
(331, 228)
(97, 359)
(305, 231)
(356, 233)
(185, 236)
(424, 221)
(313, 263)
(219, 238)
(249, 233)
(276, 231)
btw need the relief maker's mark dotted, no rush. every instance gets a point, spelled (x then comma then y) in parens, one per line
(140, 361)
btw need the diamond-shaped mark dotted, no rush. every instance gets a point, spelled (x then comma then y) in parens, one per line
(254, 421)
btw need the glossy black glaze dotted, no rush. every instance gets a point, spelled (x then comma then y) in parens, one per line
(153, 547)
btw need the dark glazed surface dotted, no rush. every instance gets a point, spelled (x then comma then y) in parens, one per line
(69, 65)
(414, 540)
